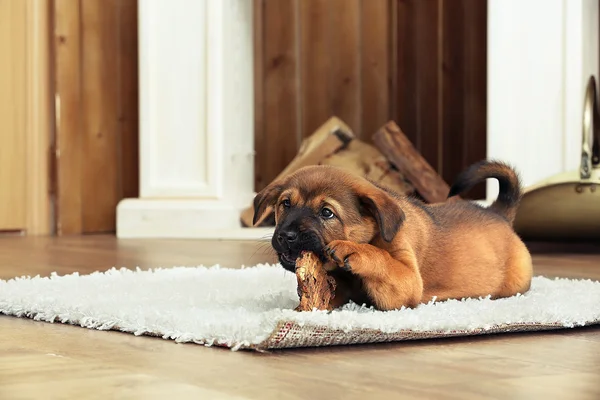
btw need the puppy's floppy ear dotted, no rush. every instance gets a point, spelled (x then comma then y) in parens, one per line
(264, 199)
(384, 209)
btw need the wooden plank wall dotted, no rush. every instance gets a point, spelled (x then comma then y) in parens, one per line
(315, 58)
(13, 124)
(441, 78)
(26, 122)
(96, 82)
(421, 63)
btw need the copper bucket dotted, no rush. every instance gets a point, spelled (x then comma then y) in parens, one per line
(566, 206)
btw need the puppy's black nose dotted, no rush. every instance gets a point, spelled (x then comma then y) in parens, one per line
(287, 236)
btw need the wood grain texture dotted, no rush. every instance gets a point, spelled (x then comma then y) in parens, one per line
(97, 112)
(39, 119)
(394, 144)
(420, 63)
(128, 97)
(428, 61)
(405, 113)
(100, 113)
(464, 77)
(277, 140)
(316, 288)
(441, 80)
(316, 63)
(453, 80)
(315, 59)
(375, 66)
(344, 35)
(68, 115)
(475, 88)
(51, 361)
(13, 114)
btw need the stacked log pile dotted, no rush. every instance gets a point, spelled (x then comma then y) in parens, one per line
(392, 161)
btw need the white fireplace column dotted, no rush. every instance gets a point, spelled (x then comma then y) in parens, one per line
(196, 121)
(540, 56)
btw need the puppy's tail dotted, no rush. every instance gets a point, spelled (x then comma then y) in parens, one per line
(510, 192)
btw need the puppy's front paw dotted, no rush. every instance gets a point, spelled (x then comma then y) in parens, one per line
(343, 253)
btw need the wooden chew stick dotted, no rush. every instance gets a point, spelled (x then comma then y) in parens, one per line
(316, 288)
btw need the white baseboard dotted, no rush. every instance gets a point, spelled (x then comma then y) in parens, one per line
(183, 219)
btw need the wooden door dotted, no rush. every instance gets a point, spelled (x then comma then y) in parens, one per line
(95, 71)
(68, 114)
(25, 124)
(12, 116)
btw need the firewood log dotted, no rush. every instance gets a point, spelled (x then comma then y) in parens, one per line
(334, 144)
(316, 288)
(366, 160)
(398, 149)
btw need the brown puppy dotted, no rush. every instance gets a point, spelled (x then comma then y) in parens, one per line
(391, 251)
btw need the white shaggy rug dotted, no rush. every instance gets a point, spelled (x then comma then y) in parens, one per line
(253, 308)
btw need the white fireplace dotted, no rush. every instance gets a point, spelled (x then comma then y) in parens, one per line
(196, 106)
(196, 121)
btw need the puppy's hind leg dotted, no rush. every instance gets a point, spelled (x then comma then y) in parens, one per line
(518, 271)
(390, 283)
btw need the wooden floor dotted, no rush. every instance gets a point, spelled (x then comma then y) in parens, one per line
(53, 361)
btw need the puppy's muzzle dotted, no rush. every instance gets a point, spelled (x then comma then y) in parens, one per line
(287, 238)
(289, 242)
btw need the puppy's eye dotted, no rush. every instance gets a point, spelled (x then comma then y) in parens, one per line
(326, 213)
(286, 203)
